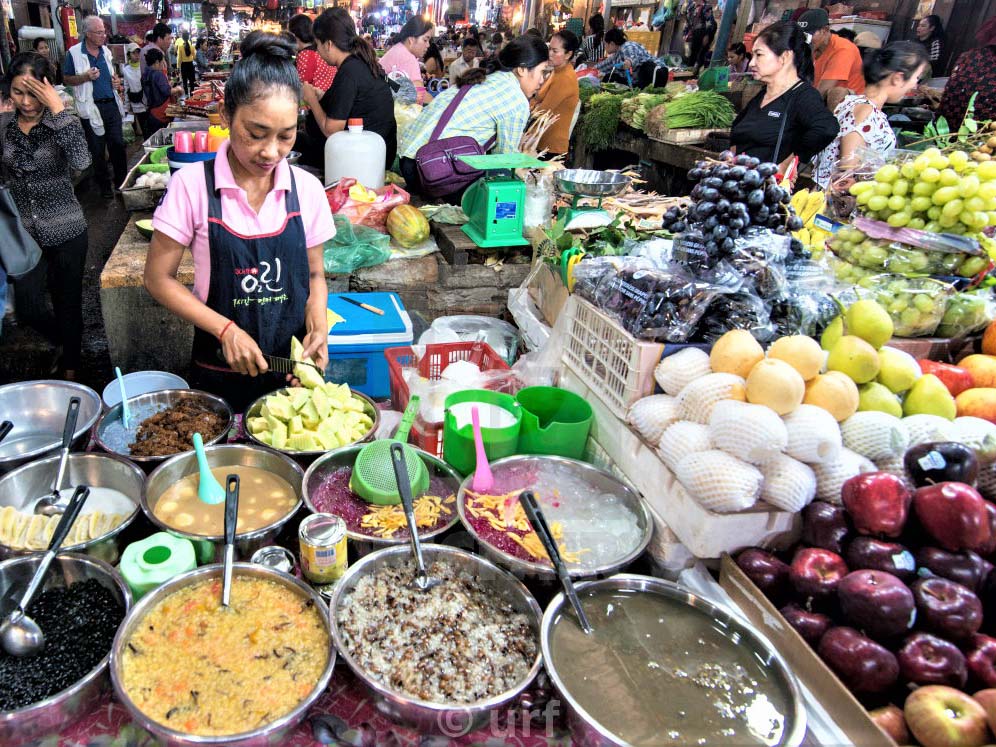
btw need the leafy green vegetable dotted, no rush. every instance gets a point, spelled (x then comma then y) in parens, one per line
(700, 109)
(601, 120)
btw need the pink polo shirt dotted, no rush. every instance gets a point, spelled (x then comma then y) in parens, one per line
(399, 59)
(183, 213)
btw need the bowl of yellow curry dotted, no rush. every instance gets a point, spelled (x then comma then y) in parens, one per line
(192, 672)
(269, 496)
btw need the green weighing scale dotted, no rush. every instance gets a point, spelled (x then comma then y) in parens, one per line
(579, 184)
(495, 204)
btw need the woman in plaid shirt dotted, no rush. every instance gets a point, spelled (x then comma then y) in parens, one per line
(930, 33)
(621, 53)
(496, 106)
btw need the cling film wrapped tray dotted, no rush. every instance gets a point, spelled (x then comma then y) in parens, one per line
(883, 255)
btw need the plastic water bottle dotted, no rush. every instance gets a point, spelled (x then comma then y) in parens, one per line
(355, 153)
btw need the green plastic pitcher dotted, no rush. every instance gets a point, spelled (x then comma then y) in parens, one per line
(458, 433)
(554, 421)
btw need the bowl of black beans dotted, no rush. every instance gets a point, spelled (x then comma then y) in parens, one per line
(79, 608)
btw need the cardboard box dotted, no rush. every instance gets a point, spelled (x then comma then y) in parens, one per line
(548, 292)
(845, 710)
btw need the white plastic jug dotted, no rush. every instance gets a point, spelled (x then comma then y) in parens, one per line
(357, 153)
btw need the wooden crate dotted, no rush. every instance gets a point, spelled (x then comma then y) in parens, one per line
(687, 136)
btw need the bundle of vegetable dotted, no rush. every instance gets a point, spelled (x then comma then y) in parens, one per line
(601, 120)
(700, 109)
(634, 110)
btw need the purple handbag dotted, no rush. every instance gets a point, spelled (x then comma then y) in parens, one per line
(439, 168)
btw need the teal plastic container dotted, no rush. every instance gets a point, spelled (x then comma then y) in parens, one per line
(458, 433)
(153, 561)
(554, 421)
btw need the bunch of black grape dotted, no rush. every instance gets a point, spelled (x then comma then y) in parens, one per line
(730, 196)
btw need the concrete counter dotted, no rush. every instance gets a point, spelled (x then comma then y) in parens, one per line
(142, 335)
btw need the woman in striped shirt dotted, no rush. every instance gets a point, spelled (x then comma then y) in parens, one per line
(930, 33)
(592, 46)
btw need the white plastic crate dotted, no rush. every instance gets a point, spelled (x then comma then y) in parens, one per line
(614, 364)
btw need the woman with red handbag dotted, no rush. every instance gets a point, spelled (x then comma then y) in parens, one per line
(486, 111)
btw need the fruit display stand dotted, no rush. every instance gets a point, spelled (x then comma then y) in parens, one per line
(704, 533)
(845, 710)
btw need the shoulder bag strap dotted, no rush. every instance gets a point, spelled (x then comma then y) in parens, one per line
(781, 129)
(5, 120)
(448, 113)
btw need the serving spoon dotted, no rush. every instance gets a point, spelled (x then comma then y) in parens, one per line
(19, 634)
(231, 519)
(52, 503)
(422, 580)
(538, 522)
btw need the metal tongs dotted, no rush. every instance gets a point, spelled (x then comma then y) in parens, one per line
(538, 522)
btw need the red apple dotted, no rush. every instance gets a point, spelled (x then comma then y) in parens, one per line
(988, 548)
(816, 572)
(862, 665)
(955, 378)
(947, 608)
(966, 568)
(810, 625)
(928, 660)
(954, 514)
(981, 658)
(890, 719)
(766, 571)
(877, 603)
(825, 525)
(941, 716)
(987, 699)
(878, 555)
(878, 503)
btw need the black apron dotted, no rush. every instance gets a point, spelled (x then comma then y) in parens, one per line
(262, 284)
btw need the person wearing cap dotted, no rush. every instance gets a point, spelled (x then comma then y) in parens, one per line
(131, 76)
(837, 61)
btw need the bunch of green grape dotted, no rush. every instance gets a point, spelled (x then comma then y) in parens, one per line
(848, 273)
(916, 305)
(935, 192)
(856, 247)
(966, 313)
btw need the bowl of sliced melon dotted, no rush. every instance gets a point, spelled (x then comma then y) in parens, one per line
(307, 421)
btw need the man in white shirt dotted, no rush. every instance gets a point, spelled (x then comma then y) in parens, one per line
(466, 61)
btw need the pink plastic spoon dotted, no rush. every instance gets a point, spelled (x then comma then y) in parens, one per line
(483, 479)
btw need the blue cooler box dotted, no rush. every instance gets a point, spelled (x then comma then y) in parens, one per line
(356, 346)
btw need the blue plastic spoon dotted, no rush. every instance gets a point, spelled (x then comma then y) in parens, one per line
(125, 413)
(208, 488)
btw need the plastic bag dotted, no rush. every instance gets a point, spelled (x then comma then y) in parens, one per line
(759, 257)
(658, 250)
(804, 306)
(354, 247)
(859, 167)
(371, 214)
(500, 335)
(660, 304)
(916, 305)
(853, 245)
(967, 313)
(741, 310)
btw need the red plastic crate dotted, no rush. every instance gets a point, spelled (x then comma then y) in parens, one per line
(431, 366)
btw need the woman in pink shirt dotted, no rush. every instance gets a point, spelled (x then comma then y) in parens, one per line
(256, 229)
(412, 42)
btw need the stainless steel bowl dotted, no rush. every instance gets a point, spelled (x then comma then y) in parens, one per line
(38, 411)
(52, 715)
(587, 732)
(293, 157)
(111, 436)
(178, 467)
(600, 481)
(369, 408)
(436, 718)
(340, 458)
(22, 487)
(269, 734)
(590, 183)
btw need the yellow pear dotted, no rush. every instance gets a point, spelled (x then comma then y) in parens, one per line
(803, 353)
(832, 333)
(834, 392)
(877, 397)
(854, 357)
(869, 321)
(736, 352)
(775, 384)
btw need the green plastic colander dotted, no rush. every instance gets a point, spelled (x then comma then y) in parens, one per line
(373, 471)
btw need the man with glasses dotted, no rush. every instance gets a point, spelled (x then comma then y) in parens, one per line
(88, 69)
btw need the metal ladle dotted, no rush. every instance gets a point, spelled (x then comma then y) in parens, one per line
(52, 503)
(5, 428)
(422, 580)
(19, 634)
(538, 522)
(231, 520)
